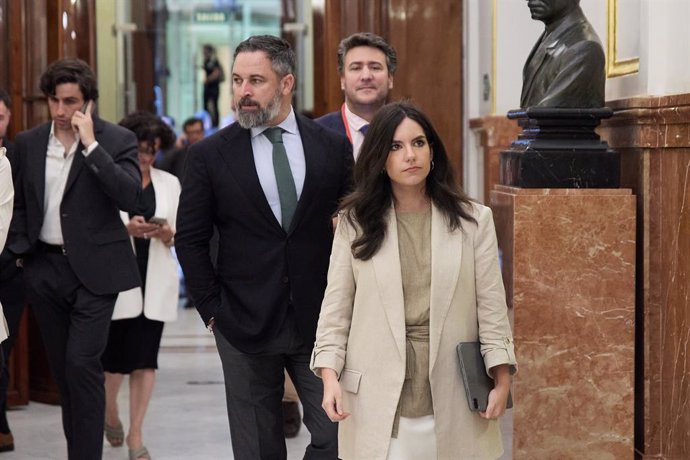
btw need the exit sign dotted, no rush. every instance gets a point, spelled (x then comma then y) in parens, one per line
(211, 17)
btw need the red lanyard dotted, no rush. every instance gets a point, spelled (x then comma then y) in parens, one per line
(347, 125)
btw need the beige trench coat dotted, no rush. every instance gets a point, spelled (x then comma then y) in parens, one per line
(361, 334)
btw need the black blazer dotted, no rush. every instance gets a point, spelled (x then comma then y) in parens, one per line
(174, 162)
(97, 244)
(262, 271)
(333, 121)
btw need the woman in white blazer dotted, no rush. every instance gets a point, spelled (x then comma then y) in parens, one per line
(6, 206)
(414, 271)
(140, 313)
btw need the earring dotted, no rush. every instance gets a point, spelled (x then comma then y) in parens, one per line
(432, 165)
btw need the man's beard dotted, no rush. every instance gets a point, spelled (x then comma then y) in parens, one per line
(260, 117)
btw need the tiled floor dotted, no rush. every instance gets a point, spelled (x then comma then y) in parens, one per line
(186, 419)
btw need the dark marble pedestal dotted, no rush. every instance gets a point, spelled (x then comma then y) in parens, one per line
(558, 148)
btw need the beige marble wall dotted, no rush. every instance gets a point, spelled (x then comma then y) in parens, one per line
(569, 267)
(653, 136)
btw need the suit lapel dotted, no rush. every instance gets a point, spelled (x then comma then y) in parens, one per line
(36, 161)
(78, 161)
(534, 62)
(527, 72)
(389, 282)
(240, 161)
(75, 169)
(314, 158)
(237, 154)
(446, 258)
(160, 191)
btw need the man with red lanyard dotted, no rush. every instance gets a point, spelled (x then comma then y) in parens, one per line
(366, 64)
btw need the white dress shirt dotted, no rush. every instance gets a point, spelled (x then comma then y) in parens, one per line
(58, 163)
(355, 123)
(263, 160)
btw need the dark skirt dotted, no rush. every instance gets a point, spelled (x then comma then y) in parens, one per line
(133, 344)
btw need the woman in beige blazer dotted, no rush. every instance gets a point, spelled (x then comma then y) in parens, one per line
(414, 270)
(140, 313)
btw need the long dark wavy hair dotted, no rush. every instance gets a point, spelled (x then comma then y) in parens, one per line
(367, 206)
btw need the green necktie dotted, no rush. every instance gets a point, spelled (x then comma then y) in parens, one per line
(284, 179)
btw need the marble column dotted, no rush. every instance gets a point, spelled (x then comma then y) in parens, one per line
(569, 270)
(653, 136)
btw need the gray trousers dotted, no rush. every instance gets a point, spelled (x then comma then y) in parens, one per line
(254, 392)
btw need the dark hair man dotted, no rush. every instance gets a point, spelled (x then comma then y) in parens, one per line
(193, 129)
(174, 161)
(75, 172)
(366, 64)
(270, 183)
(566, 65)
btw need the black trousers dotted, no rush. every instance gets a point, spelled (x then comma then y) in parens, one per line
(74, 326)
(211, 96)
(254, 393)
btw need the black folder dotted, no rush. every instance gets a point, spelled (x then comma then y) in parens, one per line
(477, 383)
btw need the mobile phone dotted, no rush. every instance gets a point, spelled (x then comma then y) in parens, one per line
(158, 220)
(84, 107)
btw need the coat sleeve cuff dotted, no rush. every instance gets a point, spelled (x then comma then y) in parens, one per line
(207, 311)
(324, 359)
(497, 354)
(90, 148)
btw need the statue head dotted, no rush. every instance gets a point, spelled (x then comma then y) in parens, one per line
(549, 11)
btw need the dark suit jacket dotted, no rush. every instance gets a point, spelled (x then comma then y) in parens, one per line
(333, 121)
(262, 271)
(565, 67)
(174, 162)
(97, 244)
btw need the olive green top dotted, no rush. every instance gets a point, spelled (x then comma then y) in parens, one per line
(414, 244)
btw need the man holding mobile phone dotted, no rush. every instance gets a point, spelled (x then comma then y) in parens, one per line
(75, 173)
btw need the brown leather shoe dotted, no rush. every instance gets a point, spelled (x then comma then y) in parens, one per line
(6, 442)
(292, 420)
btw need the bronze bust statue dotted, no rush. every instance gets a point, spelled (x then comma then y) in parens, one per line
(566, 66)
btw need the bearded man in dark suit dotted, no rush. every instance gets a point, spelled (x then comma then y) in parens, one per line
(270, 183)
